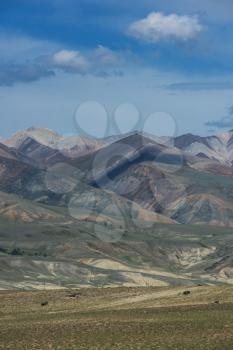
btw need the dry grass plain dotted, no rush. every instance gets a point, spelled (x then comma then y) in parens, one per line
(118, 318)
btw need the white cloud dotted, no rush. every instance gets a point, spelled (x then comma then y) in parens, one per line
(104, 55)
(157, 26)
(70, 60)
(95, 61)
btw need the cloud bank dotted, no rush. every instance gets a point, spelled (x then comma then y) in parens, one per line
(102, 62)
(200, 86)
(157, 26)
(12, 73)
(225, 122)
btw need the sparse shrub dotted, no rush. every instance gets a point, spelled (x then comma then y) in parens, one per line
(44, 303)
(186, 292)
(17, 251)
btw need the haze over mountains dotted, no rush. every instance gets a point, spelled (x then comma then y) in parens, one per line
(126, 209)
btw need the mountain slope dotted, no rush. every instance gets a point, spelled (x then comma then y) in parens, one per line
(218, 147)
(204, 209)
(71, 255)
(17, 209)
(40, 154)
(15, 169)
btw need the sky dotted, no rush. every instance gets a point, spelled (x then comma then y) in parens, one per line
(110, 66)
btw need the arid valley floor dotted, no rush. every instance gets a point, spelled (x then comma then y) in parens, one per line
(118, 318)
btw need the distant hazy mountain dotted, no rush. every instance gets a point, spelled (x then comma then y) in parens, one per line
(71, 146)
(217, 147)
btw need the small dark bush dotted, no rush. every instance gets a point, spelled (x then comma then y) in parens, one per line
(44, 303)
(186, 292)
(3, 250)
(16, 251)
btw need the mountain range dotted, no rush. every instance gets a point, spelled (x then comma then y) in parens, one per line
(132, 209)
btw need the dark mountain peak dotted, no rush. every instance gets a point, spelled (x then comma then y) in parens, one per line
(30, 145)
(5, 148)
(13, 154)
(139, 139)
(185, 140)
(28, 140)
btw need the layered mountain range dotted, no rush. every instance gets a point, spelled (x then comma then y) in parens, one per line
(176, 181)
(217, 147)
(73, 209)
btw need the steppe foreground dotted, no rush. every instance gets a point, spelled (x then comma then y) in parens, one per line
(118, 318)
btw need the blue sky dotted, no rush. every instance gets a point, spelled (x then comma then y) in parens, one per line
(160, 56)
